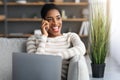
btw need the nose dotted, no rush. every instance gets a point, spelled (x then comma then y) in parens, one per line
(55, 22)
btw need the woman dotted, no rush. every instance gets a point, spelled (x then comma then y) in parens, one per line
(52, 41)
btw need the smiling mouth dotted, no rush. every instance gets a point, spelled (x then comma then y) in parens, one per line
(56, 29)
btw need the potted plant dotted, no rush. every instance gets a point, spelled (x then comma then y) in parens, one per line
(99, 39)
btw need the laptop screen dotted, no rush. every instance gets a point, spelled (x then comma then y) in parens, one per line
(36, 67)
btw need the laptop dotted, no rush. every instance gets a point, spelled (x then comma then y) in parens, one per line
(36, 67)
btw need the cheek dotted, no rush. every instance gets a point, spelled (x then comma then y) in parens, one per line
(60, 23)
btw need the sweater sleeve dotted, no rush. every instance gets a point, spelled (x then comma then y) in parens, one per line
(31, 45)
(77, 49)
(36, 44)
(41, 45)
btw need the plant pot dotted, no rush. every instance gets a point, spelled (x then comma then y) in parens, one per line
(98, 70)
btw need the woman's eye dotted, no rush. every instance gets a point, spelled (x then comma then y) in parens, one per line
(49, 20)
(58, 18)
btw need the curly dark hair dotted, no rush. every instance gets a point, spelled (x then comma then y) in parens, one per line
(48, 7)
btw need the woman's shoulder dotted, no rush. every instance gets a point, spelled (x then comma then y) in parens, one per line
(69, 34)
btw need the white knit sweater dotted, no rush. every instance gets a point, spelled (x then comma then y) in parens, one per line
(66, 46)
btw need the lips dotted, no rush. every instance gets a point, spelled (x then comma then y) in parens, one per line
(56, 29)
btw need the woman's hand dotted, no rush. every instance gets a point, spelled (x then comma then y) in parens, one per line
(45, 27)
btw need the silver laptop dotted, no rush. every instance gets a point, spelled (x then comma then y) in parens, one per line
(36, 67)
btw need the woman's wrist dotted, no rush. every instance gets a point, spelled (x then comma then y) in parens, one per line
(44, 32)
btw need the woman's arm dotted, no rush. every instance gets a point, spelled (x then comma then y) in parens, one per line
(77, 49)
(41, 45)
(31, 45)
(36, 44)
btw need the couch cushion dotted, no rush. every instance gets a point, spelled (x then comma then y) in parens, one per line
(7, 47)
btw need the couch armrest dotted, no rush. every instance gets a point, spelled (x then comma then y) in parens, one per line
(78, 69)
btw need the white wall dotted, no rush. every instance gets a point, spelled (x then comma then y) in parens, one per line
(115, 31)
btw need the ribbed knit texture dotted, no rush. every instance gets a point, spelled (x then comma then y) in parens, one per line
(66, 46)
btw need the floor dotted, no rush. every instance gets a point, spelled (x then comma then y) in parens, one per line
(112, 70)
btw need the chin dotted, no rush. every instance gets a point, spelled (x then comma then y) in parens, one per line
(56, 34)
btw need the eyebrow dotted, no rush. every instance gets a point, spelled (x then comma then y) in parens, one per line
(51, 17)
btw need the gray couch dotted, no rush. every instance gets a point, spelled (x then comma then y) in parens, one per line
(7, 47)
(77, 68)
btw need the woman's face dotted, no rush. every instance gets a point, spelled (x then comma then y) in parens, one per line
(55, 23)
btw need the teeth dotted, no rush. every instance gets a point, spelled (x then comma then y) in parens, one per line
(55, 28)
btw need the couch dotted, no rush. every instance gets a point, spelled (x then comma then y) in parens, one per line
(77, 67)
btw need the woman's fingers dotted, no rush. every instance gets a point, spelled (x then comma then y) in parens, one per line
(45, 27)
